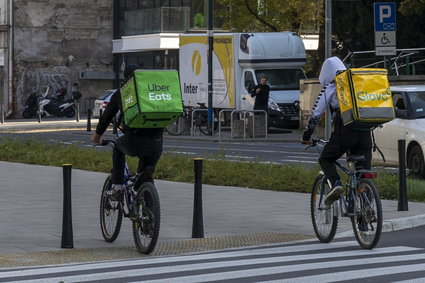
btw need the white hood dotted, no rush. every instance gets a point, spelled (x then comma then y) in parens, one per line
(329, 69)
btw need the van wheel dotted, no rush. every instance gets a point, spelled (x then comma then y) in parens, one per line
(415, 162)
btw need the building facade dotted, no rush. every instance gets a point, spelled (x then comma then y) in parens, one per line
(52, 44)
(146, 32)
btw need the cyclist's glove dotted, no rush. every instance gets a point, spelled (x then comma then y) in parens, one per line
(309, 129)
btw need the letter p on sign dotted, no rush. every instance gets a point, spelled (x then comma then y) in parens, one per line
(384, 12)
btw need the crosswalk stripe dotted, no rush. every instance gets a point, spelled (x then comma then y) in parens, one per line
(176, 259)
(417, 280)
(245, 262)
(357, 274)
(239, 274)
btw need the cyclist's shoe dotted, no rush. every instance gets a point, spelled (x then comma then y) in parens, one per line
(334, 194)
(115, 193)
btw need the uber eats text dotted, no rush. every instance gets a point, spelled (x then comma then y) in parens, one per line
(159, 96)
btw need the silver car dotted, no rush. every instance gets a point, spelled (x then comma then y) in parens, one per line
(409, 102)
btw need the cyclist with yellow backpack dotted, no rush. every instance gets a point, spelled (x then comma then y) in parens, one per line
(355, 140)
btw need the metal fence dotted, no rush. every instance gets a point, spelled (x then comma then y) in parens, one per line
(409, 61)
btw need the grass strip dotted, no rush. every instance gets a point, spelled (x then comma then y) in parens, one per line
(217, 170)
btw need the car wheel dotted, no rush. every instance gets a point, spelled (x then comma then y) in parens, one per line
(415, 162)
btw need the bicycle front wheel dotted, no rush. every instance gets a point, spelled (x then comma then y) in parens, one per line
(367, 224)
(148, 217)
(322, 216)
(110, 214)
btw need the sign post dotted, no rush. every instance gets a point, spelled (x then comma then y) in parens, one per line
(385, 28)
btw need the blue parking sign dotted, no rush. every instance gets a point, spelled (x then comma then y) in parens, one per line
(385, 16)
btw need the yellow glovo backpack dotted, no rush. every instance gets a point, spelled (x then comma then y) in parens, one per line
(364, 97)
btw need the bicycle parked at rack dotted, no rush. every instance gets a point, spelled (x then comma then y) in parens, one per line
(200, 121)
(140, 203)
(360, 202)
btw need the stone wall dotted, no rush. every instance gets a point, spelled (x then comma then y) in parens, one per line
(54, 40)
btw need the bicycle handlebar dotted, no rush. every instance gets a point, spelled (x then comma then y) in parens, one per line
(106, 142)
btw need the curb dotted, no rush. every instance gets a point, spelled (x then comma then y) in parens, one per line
(392, 225)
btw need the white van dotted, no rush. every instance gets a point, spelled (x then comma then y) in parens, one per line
(239, 61)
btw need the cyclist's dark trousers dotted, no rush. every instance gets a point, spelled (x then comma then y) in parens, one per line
(344, 139)
(147, 148)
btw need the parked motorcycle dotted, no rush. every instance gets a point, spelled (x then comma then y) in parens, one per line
(48, 106)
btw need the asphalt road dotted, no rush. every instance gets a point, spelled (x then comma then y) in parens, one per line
(267, 152)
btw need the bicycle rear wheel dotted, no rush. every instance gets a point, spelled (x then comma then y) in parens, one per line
(367, 225)
(110, 214)
(146, 226)
(322, 216)
(179, 126)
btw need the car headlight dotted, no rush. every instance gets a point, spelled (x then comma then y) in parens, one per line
(273, 105)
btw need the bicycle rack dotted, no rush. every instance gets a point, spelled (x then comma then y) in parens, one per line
(219, 120)
(231, 121)
(191, 119)
(253, 122)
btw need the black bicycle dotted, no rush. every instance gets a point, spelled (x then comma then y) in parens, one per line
(139, 202)
(360, 202)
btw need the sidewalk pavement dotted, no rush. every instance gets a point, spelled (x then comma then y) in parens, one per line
(32, 205)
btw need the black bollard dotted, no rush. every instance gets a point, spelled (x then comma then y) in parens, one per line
(88, 120)
(402, 195)
(67, 235)
(198, 222)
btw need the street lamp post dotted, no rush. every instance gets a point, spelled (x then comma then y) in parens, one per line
(210, 69)
(328, 53)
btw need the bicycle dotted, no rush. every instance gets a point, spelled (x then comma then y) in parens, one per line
(139, 202)
(181, 125)
(359, 201)
(199, 122)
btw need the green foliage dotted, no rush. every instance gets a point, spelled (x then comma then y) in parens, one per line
(412, 7)
(270, 15)
(216, 171)
(199, 20)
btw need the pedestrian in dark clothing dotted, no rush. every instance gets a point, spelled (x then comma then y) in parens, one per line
(144, 143)
(261, 94)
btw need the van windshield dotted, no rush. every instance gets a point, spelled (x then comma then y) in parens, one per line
(282, 79)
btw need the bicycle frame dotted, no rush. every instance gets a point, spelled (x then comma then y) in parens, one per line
(341, 207)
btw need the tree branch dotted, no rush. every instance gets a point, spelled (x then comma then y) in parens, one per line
(272, 27)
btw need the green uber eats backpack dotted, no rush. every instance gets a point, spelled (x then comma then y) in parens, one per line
(152, 99)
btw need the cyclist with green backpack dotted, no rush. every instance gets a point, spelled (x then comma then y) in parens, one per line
(356, 141)
(144, 143)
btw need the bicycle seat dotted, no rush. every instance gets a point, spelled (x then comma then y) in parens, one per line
(356, 158)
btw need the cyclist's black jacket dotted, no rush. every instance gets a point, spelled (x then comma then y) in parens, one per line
(112, 109)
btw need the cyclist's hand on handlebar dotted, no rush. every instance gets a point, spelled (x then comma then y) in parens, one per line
(95, 138)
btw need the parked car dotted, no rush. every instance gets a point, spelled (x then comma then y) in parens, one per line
(101, 102)
(409, 103)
